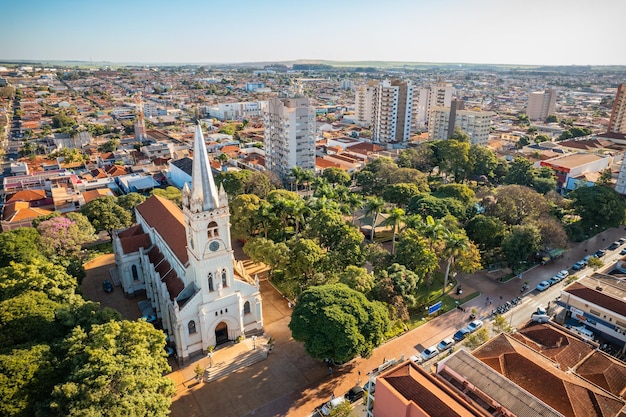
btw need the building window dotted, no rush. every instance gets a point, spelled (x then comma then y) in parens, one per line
(594, 312)
(212, 230)
(224, 284)
(192, 327)
(211, 282)
(135, 274)
(246, 308)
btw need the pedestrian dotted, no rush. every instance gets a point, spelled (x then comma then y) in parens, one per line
(332, 397)
(289, 304)
(330, 370)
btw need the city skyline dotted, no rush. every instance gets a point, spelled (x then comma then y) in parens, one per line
(559, 32)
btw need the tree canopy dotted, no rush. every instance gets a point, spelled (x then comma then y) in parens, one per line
(336, 322)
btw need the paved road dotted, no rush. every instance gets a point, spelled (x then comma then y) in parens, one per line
(289, 383)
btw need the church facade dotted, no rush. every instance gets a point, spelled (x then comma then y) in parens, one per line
(183, 261)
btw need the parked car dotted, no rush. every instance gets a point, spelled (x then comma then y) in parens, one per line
(460, 335)
(475, 325)
(613, 246)
(417, 359)
(330, 405)
(555, 279)
(430, 352)
(622, 252)
(600, 253)
(543, 285)
(355, 393)
(621, 240)
(107, 286)
(563, 274)
(445, 344)
(580, 265)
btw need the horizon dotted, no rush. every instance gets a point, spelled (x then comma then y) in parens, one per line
(193, 32)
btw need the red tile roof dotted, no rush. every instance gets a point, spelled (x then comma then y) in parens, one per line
(27, 195)
(168, 221)
(605, 372)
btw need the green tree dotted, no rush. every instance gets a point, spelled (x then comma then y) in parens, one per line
(400, 194)
(605, 177)
(500, 324)
(116, 368)
(459, 191)
(244, 216)
(480, 336)
(109, 146)
(520, 172)
(517, 204)
(459, 250)
(422, 158)
(234, 182)
(595, 263)
(358, 279)
(552, 119)
(454, 159)
(394, 219)
(336, 322)
(414, 252)
(459, 135)
(19, 245)
(599, 207)
(486, 231)
(130, 201)
(170, 193)
(521, 244)
(336, 176)
(373, 207)
(305, 256)
(482, 160)
(106, 215)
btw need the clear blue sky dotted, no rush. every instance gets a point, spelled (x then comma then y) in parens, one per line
(214, 31)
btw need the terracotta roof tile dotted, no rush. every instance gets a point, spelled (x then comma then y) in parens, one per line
(132, 244)
(93, 194)
(167, 219)
(27, 195)
(597, 298)
(605, 372)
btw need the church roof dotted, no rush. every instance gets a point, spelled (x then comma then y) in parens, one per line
(202, 184)
(134, 238)
(168, 221)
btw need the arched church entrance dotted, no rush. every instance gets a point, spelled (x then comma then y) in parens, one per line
(221, 333)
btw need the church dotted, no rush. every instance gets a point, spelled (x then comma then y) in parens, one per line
(183, 261)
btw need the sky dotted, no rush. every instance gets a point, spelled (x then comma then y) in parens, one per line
(528, 32)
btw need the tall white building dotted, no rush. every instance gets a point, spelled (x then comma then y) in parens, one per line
(388, 108)
(617, 122)
(184, 262)
(541, 104)
(426, 98)
(364, 103)
(475, 123)
(289, 135)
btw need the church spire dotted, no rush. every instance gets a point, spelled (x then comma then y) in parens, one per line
(203, 187)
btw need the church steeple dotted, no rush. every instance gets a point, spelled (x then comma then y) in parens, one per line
(203, 189)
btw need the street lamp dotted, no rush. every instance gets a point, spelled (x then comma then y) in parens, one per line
(254, 342)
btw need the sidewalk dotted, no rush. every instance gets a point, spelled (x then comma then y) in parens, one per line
(290, 383)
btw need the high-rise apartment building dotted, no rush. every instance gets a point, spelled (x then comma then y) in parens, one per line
(289, 135)
(541, 104)
(388, 108)
(364, 103)
(443, 121)
(617, 122)
(426, 98)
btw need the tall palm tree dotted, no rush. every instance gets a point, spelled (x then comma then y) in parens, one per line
(455, 244)
(434, 231)
(395, 219)
(354, 202)
(373, 206)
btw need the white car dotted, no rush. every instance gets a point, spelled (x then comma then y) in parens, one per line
(430, 352)
(475, 325)
(563, 274)
(543, 285)
(445, 344)
(334, 403)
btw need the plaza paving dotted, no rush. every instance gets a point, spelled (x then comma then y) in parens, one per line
(288, 382)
